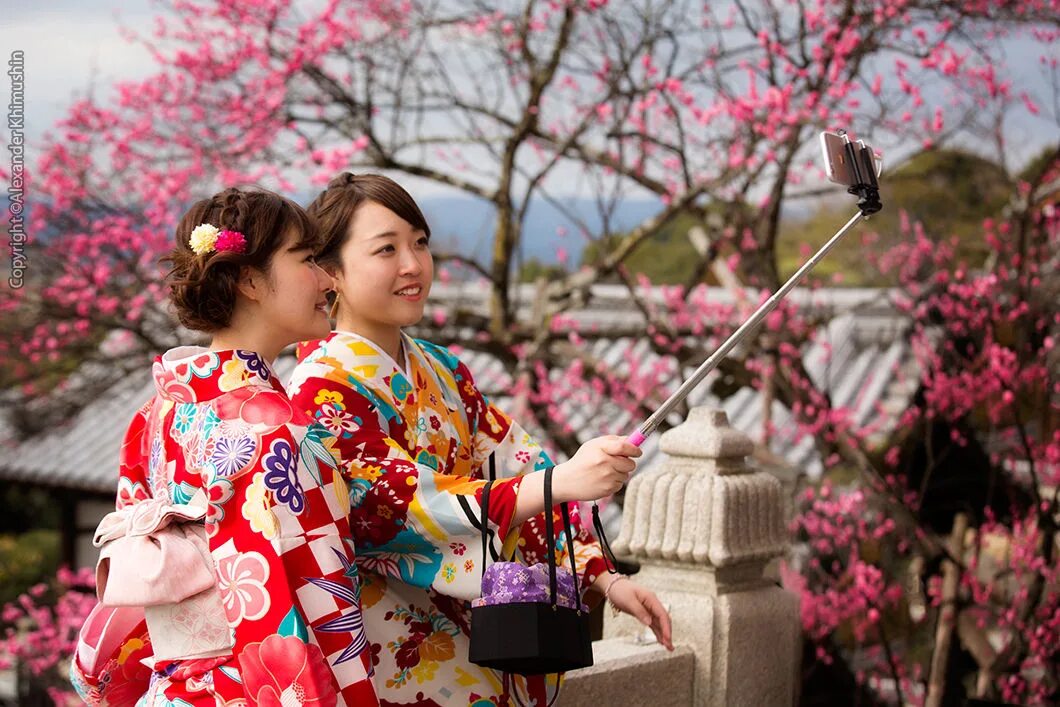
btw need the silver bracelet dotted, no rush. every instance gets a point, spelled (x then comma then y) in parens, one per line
(615, 611)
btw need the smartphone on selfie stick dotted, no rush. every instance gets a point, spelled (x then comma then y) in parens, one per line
(852, 164)
(855, 166)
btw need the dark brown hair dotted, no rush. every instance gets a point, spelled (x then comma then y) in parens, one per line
(334, 209)
(202, 288)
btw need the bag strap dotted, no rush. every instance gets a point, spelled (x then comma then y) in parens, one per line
(511, 691)
(550, 534)
(550, 538)
(570, 555)
(484, 522)
(484, 527)
(598, 527)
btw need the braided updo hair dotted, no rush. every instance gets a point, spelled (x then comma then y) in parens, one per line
(334, 208)
(203, 287)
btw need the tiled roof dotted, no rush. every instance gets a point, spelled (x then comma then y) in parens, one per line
(862, 360)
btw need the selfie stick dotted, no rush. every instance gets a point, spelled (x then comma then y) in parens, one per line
(863, 166)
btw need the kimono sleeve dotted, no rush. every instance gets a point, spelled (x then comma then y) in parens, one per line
(105, 668)
(409, 520)
(515, 453)
(132, 460)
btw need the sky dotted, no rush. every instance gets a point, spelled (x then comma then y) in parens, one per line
(71, 48)
(74, 47)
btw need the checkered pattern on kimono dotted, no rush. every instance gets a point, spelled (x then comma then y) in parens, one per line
(306, 558)
(328, 495)
(359, 694)
(429, 423)
(319, 606)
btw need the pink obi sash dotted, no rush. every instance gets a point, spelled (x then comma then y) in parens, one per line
(154, 554)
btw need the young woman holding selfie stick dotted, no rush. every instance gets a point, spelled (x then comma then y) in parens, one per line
(407, 415)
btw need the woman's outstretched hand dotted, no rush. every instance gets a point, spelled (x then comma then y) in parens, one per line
(642, 604)
(598, 469)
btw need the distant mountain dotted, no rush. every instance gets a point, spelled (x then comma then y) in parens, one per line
(466, 225)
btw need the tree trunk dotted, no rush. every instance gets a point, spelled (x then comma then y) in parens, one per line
(947, 614)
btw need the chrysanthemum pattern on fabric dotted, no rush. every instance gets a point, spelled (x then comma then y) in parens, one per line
(415, 465)
(278, 532)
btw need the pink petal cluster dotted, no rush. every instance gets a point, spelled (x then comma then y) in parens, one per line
(712, 114)
(231, 242)
(40, 629)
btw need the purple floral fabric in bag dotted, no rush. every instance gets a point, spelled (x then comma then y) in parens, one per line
(511, 583)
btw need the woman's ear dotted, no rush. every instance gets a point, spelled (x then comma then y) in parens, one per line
(331, 269)
(333, 294)
(333, 275)
(251, 283)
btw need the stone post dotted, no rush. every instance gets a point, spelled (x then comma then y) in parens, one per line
(703, 526)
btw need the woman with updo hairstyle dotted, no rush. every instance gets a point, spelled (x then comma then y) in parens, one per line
(227, 567)
(408, 419)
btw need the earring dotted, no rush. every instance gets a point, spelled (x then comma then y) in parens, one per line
(333, 310)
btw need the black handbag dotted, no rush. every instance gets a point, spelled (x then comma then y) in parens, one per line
(532, 637)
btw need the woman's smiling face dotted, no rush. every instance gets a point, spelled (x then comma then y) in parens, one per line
(295, 302)
(385, 273)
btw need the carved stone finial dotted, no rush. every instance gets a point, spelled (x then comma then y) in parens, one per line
(706, 435)
(702, 505)
(703, 526)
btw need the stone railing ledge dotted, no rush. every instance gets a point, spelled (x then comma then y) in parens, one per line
(624, 668)
(703, 526)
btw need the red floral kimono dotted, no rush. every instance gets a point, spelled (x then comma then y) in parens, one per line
(425, 426)
(221, 436)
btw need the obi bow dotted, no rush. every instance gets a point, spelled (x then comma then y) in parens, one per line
(155, 555)
(152, 553)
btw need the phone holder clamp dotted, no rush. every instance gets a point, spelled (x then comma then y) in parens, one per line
(865, 187)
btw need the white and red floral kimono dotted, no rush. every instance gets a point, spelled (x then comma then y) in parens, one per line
(425, 426)
(221, 439)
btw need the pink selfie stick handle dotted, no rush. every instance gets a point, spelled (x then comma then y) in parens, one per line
(636, 439)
